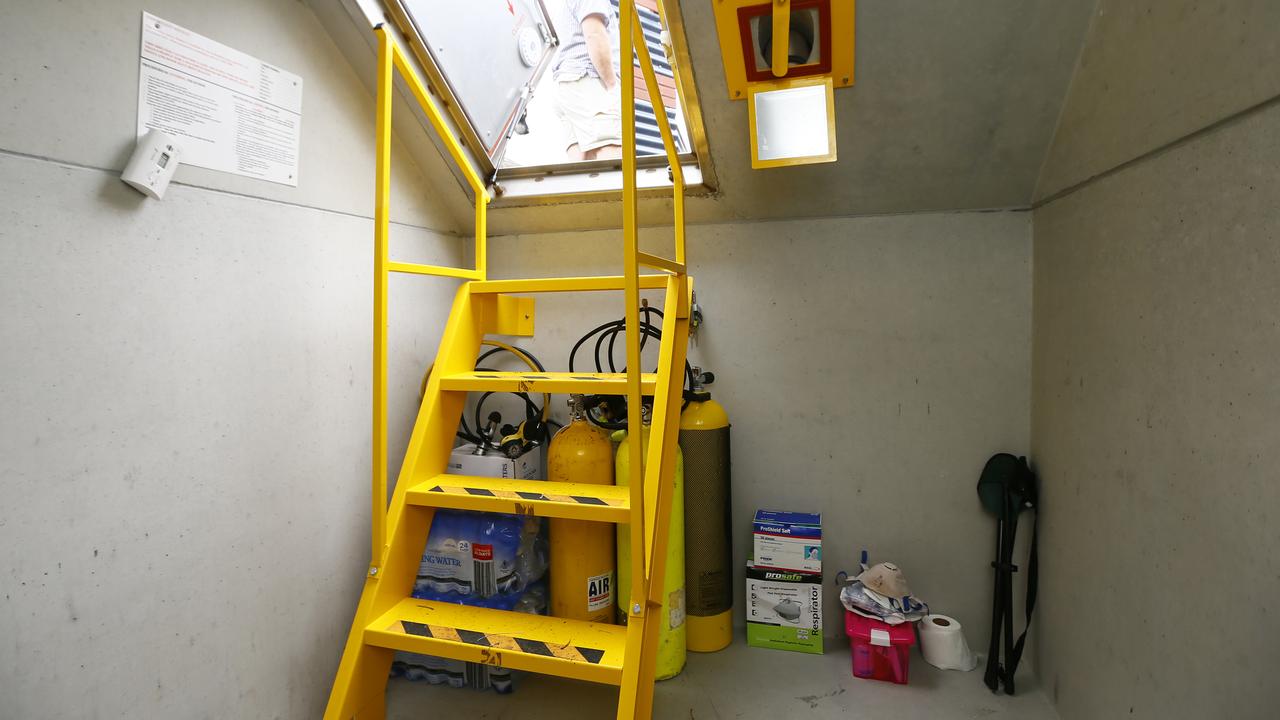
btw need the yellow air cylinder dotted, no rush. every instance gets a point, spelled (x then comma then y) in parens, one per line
(704, 439)
(671, 636)
(582, 556)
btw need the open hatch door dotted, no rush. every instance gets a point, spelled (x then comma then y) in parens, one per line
(485, 57)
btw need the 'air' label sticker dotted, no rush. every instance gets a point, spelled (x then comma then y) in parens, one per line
(600, 592)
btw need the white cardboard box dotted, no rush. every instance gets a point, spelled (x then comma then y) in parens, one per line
(464, 461)
(787, 541)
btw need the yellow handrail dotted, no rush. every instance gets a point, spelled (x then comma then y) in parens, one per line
(633, 44)
(390, 60)
(668, 141)
(631, 298)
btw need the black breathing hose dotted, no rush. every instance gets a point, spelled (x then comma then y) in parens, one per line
(606, 336)
(532, 409)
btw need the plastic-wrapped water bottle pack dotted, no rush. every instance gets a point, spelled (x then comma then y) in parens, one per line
(482, 560)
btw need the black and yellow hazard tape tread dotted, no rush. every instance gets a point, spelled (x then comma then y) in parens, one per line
(504, 642)
(539, 643)
(525, 495)
(546, 382)
(581, 501)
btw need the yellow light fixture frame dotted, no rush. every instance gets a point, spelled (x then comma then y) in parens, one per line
(730, 33)
(787, 84)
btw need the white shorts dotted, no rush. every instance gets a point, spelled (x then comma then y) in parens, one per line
(592, 115)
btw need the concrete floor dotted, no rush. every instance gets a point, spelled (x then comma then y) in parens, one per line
(740, 682)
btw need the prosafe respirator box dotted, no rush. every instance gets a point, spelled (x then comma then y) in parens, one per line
(784, 610)
(787, 541)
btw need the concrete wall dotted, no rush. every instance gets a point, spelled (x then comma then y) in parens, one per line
(870, 366)
(1154, 71)
(184, 446)
(1155, 384)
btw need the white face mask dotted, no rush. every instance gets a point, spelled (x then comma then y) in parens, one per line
(788, 610)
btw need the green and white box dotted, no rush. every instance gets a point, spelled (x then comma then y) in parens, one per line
(784, 610)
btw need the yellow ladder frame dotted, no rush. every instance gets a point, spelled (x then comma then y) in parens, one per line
(390, 59)
(398, 533)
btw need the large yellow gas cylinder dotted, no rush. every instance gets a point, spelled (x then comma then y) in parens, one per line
(582, 557)
(704, 438)
(671, 635)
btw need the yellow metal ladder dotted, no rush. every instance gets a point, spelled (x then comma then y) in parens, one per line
(388, 618)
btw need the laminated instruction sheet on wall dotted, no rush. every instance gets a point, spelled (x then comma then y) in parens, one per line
(229, 111)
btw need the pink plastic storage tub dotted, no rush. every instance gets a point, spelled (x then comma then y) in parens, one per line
(880, 651)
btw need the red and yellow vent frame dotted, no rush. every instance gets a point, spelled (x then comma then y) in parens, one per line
(834, 38)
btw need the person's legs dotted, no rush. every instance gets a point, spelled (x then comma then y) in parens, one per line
(593, 125)
(565, 106)
(604, 152)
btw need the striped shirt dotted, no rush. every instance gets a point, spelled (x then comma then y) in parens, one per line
(572, 60)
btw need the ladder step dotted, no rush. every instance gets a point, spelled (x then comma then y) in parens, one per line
(569, 284)
(550, 382)
(575, 501)
(536, 643)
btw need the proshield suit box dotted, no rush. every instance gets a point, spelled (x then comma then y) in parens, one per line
(787, 541)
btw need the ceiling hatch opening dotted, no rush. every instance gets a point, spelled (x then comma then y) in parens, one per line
(534, 87)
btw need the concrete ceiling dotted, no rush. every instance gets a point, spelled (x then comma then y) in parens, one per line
(954, 108)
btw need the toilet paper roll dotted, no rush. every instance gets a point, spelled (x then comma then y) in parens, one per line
(943, 645)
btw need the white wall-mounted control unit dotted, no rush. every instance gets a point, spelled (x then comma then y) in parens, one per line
(153, 164)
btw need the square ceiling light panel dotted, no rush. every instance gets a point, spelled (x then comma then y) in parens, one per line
(792, 122)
